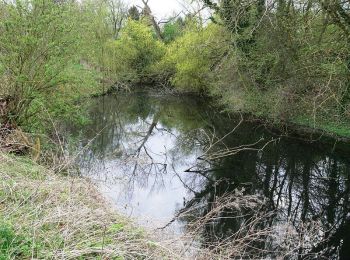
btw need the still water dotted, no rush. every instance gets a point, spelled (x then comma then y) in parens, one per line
(157, 157)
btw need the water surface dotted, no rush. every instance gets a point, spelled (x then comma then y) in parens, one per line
(158, 156)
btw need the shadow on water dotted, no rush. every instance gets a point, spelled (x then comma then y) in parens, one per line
(146, 153)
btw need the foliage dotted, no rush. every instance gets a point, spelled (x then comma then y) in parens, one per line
(173, 29)
(286, 60)
(134, 13)
(191, 57)
(277, 59)
(135, 51)
(39, 50)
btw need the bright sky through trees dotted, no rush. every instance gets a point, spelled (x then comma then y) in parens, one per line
(160, 8)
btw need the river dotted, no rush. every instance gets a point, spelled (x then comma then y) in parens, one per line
(167, 161)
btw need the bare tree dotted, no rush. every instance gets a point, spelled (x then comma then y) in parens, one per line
(147, 12)
(118, 12)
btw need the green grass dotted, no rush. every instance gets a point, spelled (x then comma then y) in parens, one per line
(12, 245)
(341, 129)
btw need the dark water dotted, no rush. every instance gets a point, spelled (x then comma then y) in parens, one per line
(150, 156)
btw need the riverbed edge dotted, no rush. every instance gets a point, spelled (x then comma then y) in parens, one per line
(49, 215)
(328, 131)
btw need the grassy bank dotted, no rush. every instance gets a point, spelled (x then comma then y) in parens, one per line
(329, 131)
(339, 130)
(304, 127)
(49, 216)
(298, 125)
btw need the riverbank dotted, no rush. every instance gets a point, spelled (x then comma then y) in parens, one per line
(304, 129)
(300, 127)
(51, 216)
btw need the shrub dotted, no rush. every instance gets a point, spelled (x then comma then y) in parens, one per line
(191, 57)
(39, 53)
(135, 51)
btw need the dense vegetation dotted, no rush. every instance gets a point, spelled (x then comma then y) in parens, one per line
(283, 60)
(51, 55)
(287, 60)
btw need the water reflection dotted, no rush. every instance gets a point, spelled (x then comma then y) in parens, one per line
(147, 154)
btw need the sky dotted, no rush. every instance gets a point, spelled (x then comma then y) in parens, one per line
(160, 8)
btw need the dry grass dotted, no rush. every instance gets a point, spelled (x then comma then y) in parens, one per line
(256, 237)
(66, 218)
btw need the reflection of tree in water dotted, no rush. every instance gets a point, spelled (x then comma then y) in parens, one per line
(128, 124)
(297, 182)
(300, 184)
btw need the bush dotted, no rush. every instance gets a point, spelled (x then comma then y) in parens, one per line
(39, 56)
(135, 51)
(191, 57)
(173, 30)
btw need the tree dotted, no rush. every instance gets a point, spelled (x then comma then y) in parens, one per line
(133, 13)
(286, 52)
(191, 58)
(39, 57)
(173, 29)
(136, 50)
(147, 15)
(118, 12)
